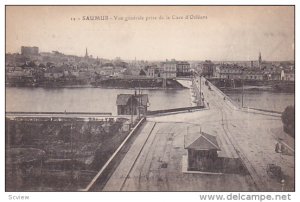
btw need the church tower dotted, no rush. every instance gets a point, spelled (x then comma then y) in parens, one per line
(86, 53)
(259, 60)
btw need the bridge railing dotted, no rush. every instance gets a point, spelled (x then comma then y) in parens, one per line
(63, 113)
(181, 109)
(197, 91)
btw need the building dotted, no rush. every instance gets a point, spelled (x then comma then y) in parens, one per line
(19, 74)
(202, 152)
(273, 75)
(227, 71)
(267, 71)
(289, 75)
(183, 68)
(54, 73)
(28, 51)
(207, 68)
(74, 73)
(152, 71)
(107, 69)
(253, 75)
(169, 69)
(132, 104)
(84, 75)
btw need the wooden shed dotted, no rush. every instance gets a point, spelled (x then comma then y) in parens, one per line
(202, 152)
(134, 104)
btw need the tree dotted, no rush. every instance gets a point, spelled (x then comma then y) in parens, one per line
(288, 120)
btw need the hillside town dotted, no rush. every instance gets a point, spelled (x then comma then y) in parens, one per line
(33, 68)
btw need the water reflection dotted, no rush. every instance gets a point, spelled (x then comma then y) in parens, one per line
(104, 100)
(87, 99)
(264, 99)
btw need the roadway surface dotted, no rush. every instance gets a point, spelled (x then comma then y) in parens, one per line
(155, 160)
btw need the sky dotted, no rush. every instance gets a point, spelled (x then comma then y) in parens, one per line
(224, 32)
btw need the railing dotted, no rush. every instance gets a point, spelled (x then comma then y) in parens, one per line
(174, 110)
(66, 113)
(197, 91)
(105, 168)
(264, 110)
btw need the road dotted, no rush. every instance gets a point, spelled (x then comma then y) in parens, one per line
(252, 134)
(155, 163)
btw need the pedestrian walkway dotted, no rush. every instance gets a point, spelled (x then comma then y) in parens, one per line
(119, 177)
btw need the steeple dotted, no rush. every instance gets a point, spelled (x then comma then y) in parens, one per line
(86, 53)
(259, 60)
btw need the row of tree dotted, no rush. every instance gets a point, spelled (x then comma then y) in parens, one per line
(288, 120)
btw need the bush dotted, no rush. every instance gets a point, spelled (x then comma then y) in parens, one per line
(288, 120)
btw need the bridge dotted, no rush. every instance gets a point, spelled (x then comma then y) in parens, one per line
(155, 160)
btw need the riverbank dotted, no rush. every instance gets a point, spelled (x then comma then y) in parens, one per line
(254, 85)
(109, 83)
(138, 83)
(188, 84)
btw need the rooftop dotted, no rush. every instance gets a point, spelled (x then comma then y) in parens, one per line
(203, 142)
(122, 99)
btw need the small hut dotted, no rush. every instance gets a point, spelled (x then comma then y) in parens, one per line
(132, 104)
(202, 152)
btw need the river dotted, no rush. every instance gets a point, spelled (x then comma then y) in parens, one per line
(267, 100)
(104, 100)
(86, 99)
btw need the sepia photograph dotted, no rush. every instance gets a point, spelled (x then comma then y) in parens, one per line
(149, 98)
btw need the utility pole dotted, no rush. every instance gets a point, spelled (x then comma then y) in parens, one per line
(131, 110)
(72, 152)
(242, 93)
(187, 132)
(200, 89)
(139, 102)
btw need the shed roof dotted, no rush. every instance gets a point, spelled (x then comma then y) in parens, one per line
(204, 142)
(122, 99)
